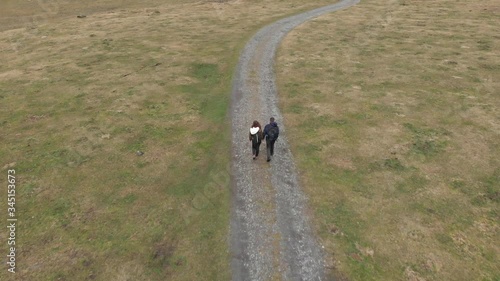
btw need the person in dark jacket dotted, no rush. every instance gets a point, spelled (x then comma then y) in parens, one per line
(271, 133)
(255, 135)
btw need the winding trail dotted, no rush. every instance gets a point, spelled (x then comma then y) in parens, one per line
(271, 238)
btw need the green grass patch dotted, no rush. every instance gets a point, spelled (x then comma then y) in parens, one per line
(409, 152)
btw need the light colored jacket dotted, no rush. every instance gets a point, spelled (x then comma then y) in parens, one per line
(255, 131)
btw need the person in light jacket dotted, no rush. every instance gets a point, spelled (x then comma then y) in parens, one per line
(255, 137)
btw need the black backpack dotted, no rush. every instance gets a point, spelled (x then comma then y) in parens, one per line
(273, 133)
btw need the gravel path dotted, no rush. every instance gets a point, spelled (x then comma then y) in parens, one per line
(271, 238)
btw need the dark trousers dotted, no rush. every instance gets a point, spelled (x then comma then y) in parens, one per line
(255, 148)
(270, 148)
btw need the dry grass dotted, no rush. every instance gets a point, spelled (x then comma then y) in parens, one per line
(392, 108)
(80, 96)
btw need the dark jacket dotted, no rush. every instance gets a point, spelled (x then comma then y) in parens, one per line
(268, 127)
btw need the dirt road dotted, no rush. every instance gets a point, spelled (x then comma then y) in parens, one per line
(271, 238)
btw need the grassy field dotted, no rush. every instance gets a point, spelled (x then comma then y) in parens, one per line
(116, 125)
(392, 109)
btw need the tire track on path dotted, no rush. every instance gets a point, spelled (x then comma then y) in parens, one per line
(270, 234)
